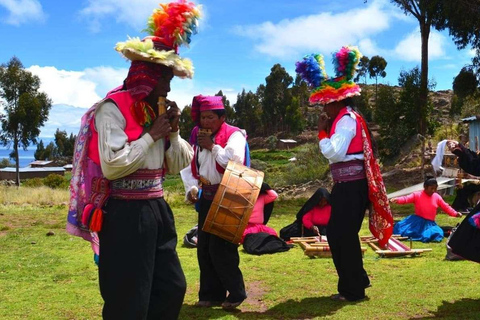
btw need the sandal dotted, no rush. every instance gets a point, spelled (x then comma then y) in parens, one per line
(338, 297)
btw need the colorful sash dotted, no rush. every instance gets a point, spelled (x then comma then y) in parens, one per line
(140, 185)
(380, 218)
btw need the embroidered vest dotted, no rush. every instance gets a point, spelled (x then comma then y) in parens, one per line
(221, 138)
(356, 145)
(133, 130)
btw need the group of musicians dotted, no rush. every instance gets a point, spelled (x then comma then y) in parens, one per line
(131, 143)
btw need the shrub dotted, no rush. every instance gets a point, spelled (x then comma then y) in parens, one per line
(258, 165)
(310, 165)
(33, 183)
(271, 143)
(55, 181)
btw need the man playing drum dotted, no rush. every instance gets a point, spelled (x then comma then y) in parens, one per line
(215, 143)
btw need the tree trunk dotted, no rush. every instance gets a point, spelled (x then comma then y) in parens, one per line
(423, 97)
(17, 164)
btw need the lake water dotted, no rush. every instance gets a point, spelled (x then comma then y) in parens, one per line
(24, 157)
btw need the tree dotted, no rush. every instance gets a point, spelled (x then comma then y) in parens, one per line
(293, 116)
(40, 152)
(229, 111)
(397, 114)
(362, 69)
(26, 109)
(460, 17)
(277, 97)
(186, 123)
(376, 68)
(248, 111)
(64, 144)
(465, 84)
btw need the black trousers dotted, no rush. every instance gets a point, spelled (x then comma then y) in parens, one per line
(139, 271)
(349, 201)
(219, 264)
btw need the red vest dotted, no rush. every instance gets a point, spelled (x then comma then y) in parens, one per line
(356, 145)
(133, 130)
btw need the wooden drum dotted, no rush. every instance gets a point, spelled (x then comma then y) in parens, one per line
(233, 202)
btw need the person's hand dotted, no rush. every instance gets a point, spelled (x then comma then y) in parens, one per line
(160, 127)
(323, 122)
(452, 145)
(192, 195)
(315, 228)
(393, 200)
(459, 214)
(173, 114)
(204, 140)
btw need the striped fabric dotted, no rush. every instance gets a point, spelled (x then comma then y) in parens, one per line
(396, 245)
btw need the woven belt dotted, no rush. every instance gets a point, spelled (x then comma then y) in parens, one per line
(142, 184)
(208, 191)
(348, 171)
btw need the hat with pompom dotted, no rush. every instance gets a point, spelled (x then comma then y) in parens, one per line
(169, 26)
(326, 90)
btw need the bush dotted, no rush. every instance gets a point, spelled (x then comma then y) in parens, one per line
(310, 165)
(6, 163)
(258, 165)
(271, 143)
(55, 181)
(33, 183)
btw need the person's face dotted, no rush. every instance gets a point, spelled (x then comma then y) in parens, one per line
(332, 109)
(429, 190)
(210, 120)
(322, 203)
(163, 86)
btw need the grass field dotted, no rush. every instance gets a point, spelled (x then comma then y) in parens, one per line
(54, 277)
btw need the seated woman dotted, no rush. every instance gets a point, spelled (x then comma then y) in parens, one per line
(316, 219)
(315, 213)
(261, 212)
(421, 226)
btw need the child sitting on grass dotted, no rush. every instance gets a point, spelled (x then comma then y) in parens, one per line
(421, 226)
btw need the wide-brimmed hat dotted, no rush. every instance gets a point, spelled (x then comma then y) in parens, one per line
(324, 89)
(169, 26)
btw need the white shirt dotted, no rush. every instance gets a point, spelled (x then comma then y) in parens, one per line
(234, 150)
(335, 148)
(119, 158)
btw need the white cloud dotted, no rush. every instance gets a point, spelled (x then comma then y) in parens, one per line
(409, 49)
(74, 91)
(23, 11)
(291, 37)
(84, 88)
(66, 87)
(131, 12)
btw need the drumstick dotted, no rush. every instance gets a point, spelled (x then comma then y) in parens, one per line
(162, 105)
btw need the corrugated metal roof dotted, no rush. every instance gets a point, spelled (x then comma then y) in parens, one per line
(41, 162)
(469, 119)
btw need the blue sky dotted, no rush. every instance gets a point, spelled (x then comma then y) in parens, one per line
(69, 44)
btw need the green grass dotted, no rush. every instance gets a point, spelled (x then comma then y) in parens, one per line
(54, 277)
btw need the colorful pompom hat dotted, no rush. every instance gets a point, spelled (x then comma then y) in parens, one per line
(326, 90)
(169, 26)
